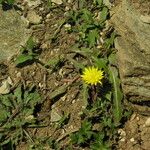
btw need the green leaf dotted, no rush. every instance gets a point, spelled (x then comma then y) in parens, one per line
(49, 3)
(86, 126)
(103, 14)
(54, 63)
(101, 63)
(4, 115)
(23, 58)
(108, 96)
(112, 59)
(100, 2)
(81, 4)
(31, 99)
(10, 2)
(76, 64)
(110, 41)
(18, 94)
(86, 52)
(30, 44)
(1, 1)
(4, 99)
(117, 94)
(87, 16)
(84, 134)
(92, 37)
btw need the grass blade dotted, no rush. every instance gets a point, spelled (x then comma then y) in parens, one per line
(117, 94)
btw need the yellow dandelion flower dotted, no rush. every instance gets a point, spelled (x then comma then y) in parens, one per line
(92, 75)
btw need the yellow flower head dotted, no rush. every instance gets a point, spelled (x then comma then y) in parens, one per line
(92, 75)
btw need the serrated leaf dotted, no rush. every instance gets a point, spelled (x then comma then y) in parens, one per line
(5, 100)
(112, 59)
(92, 37)
(100, 2)
(3, 115)
(31, 99)
(117, 94)
(110, 41)
(101, 63)
(108, 96)
(87, 16)
(86, 52)
(18, 94)
(23, 58)
(30, 44)
(103, 14)
(86, 126)
(76, 64)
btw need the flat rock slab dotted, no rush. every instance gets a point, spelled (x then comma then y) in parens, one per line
(13, 33)
(134, 52)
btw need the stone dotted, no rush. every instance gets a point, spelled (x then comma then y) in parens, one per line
(33, 3)
(55, 116)
(33, 17)
(13, 33)
(145, 19)
(132, 140)
(5, 86)
(147, 122)
(133, 53)
(58, 2)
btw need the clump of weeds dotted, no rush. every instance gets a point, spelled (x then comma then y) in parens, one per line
(94, 58)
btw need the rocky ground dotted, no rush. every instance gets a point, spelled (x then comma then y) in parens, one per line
(59, 84)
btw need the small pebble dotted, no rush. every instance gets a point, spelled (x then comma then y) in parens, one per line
(147, 122)
(48, 16)
(67, 8)
(41, 9)
(133, 117)
(132, 140)
(73, 101)
(122, 132)
(137, 118)
(33, 17)
(122, 140)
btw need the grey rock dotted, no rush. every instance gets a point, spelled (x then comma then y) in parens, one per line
(13, 33)
(133, 52)
(33, 17)
(147, 122)
(5, 86)
(55, 115)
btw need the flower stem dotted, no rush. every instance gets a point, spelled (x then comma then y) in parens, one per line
(94, 93)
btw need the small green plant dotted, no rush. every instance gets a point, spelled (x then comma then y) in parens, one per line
(84, 134)
(103, 101)
(16, 111)
(88, 25)
(29, 53)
